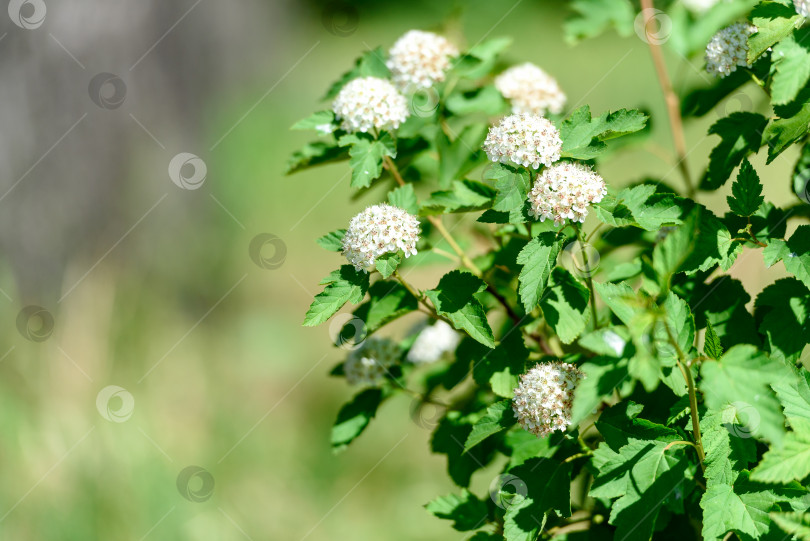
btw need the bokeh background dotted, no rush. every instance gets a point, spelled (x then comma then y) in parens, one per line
(154, 289)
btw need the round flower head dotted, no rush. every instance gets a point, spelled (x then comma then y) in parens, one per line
(699, 6)
(378, 230)
(802, 7)
(368, 364)
(433, 342)
(728, 49)
(370, 103)
(419, 59)
(524, 139)
(530, 89)
(565, 190)
(544, 397)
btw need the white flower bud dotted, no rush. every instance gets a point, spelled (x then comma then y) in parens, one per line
(369, 364)
(531, 90)
(378, 230)
(433, 342)
(802, 7)
(524, 139)
(369, 103)
(565, 191)
(729, 49)
(544, 397)
(419, 59)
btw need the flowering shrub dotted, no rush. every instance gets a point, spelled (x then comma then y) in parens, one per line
(619, 378)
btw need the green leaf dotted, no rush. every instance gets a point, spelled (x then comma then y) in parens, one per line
(530, 490)
(405, 198)
(794, 394)
(620, 298)
(466, 196)
(722, 303)
(620, 425)
(744, 507)
(602, 376)
(387, 302)
(449, 438)
(371, 64)
(538, 258)
(727, 445)
(463, 154)
(711, 345)
(565, 306)
(801, 175)
(315, 121)
(479, 60)
(344, 285)
(366, 156)
(701, 101)
(788, 461)
(746, 190)
(485, 100)
(354, 417)
(783, 132)
(499, 368)
(386, 264)
(641, 206)
(797, 524)
(713, 244)
(594, 16)
(453, 299)
(499, 416)
(512, 185)
(332, 241)
(791, 62)
(742, 378)
(466, 511)
(741, 133)
(783, 313)
(583, 137)
(312, 154)
(774, 21)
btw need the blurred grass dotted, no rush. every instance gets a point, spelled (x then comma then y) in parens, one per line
(244, 391)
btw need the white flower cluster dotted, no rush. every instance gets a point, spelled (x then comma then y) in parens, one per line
(728, 49)
(368, 364)
(419, 59)
(524, 139)
(378, 230)
(433, 342)
(802, 7)
(565, 190)
(699, 6)
(530, 89)
(544, 397)
(368, 103)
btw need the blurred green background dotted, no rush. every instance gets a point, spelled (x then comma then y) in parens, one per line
(210, 345)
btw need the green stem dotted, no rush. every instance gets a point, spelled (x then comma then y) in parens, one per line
(588, 279)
